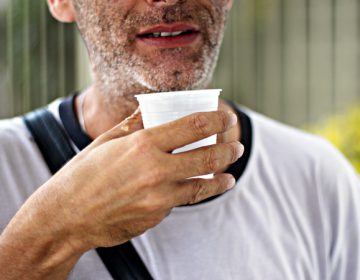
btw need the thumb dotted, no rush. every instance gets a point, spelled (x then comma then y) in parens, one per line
(128, 126)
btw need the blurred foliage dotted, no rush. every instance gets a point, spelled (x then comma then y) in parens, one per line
(344, 132)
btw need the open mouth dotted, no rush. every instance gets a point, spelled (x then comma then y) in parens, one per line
(169, 36)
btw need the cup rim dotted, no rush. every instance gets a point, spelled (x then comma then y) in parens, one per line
(216, 92)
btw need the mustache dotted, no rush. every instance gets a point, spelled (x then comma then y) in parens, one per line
(201, 15)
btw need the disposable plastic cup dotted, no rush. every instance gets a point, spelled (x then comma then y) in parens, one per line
(164, 107)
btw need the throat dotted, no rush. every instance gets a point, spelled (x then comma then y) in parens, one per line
(101, 112)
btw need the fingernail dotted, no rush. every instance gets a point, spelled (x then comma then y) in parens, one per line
(232, 119)
(125, 128)
(230, 183)
(239, 149)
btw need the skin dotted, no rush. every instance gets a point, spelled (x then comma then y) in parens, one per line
(123, 67)
(127, 180)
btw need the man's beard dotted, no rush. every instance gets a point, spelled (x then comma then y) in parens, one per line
(118, 67)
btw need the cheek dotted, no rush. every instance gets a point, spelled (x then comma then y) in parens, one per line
(100, 11)
(119, 6)
(214, 3)
(104, 25)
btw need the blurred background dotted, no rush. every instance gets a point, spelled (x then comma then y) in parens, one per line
(297, 61)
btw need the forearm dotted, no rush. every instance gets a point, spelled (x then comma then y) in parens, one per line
(34, 261)
(33, 246)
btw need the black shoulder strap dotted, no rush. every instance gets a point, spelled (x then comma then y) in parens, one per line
(50, 138)
(122, 261)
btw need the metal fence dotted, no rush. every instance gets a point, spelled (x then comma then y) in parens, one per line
(294, 60)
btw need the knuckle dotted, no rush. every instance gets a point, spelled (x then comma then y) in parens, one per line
(198, 192)
(223, 117)
(211, 162)
(156, 176)
(200, 124)
(158, 203)
(143, 142)
(148, 205)
(153, 205)
(220, 186)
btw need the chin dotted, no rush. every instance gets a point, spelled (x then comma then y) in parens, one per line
(176, 80)
(166, 85)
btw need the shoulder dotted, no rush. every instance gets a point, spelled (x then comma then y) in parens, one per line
(318, 182)
(306, 163)
(18, 149)
(295, 145)
(277, 133)
(22, 169)
(306, 157)
(13, 134)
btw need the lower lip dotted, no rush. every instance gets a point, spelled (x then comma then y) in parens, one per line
(171, 42)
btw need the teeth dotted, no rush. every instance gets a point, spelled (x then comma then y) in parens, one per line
(176, 33)
(166, 34)
(163, 34)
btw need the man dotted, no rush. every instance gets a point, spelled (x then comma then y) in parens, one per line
(294, 213)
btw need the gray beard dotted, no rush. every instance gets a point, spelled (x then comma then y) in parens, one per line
(119, 79)
(120, 72)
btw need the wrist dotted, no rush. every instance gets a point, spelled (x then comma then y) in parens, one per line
(26, 257)
(36, 245)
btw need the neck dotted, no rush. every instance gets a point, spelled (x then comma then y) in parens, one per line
(102, 112)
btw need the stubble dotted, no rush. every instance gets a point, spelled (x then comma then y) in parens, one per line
(120, 69)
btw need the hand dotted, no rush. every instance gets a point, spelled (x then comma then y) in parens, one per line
(127, 180)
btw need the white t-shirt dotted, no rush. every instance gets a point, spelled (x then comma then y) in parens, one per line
(294, 213)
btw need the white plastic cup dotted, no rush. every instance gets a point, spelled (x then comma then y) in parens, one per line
(159, 108)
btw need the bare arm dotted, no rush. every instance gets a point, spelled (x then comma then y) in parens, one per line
(32, 248)
(124, 183)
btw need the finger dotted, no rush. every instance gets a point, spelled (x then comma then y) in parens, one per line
(128, 126)
(190, 129)
(205, 160)
(192, 191)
